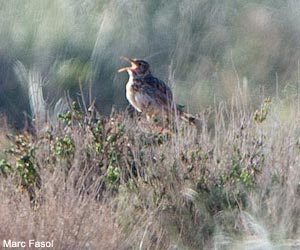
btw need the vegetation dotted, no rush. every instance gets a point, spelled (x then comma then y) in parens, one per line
(205, 45)
(86, 177)
(113, 182)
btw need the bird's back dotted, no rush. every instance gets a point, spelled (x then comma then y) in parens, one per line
(149, 94)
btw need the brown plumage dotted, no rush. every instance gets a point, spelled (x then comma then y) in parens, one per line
(150, 95)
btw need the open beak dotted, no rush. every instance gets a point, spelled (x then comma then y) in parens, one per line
(133, 64)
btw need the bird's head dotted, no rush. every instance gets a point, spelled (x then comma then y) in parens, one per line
(137, 68)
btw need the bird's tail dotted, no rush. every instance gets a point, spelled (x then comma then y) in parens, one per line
(191, 119)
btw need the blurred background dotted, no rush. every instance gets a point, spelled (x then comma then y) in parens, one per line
(205, 50)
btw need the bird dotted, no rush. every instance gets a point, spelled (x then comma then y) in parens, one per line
(150, 95)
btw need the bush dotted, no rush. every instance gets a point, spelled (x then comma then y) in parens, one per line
(187, 189)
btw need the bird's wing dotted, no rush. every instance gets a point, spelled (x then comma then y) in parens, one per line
(158, 89)
(159, 85)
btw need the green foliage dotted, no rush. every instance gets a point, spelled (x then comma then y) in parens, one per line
(261, 115)
(105, 140)
(63, 146)
(66, 117)
(23, 162)
(112, 175)
(21, 165)
(26, 170)
(5, 167)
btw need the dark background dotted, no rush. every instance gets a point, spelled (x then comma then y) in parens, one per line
(205, 49)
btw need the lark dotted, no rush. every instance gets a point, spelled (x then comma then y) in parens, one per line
(150, 95)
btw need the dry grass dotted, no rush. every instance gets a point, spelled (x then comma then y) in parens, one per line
(71, 221)
(93, 182)
(115, 185)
